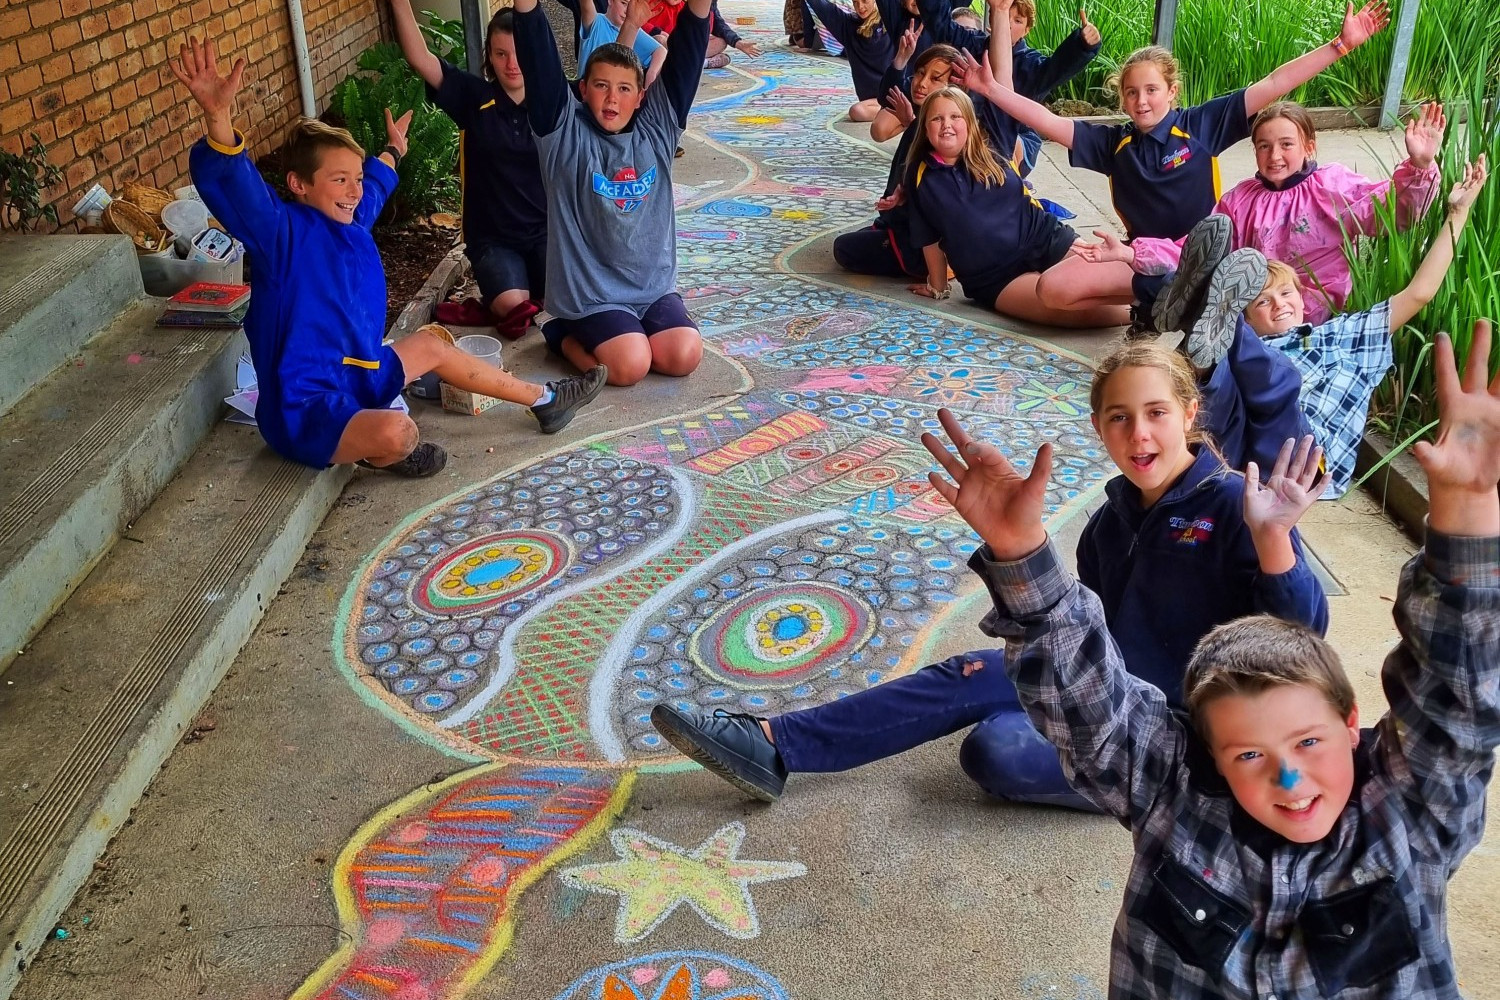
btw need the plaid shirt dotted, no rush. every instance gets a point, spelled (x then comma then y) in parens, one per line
(1219, 906)
(1341, 362)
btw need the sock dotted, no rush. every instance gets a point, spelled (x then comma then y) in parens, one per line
(546, 396)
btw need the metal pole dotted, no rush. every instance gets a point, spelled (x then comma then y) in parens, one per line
(475, 21)
(1395, 81)
(1164, 24)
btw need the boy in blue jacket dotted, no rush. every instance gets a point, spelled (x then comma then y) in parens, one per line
(316, 320)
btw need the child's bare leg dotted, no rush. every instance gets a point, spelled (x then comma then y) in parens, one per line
(1020, 299)
(378, 437)
(502, 305)
(676, 351)
(864, 111)
(424, 352)
(1075, 283)
(715, 46)
(628, 357)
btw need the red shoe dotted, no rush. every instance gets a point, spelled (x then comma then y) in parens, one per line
(514, 324)
(466, 313)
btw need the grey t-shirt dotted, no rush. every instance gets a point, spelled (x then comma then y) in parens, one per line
(612, 229)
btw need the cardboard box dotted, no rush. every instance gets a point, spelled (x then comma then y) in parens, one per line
(459, 400)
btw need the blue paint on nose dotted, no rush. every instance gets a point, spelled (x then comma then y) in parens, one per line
(1288, 778)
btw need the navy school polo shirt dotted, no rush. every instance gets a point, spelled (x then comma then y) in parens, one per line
(1165, 181)
(504, 201)
(984, 231)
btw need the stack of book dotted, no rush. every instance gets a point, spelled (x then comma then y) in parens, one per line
(205, 304)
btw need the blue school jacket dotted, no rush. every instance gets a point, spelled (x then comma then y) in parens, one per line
(1168, 574)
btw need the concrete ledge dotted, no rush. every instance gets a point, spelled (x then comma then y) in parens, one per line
(1400, 486)
(434, 290)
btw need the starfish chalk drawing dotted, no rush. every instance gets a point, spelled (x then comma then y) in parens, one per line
(653, 878)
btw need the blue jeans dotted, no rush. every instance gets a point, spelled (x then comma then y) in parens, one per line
(1250, 402)
(1003, 754)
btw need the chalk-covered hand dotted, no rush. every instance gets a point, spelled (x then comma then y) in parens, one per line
(1358, 27)
(396, 129)
(1463, 464)
(1273, 508)
(1109, 248)
(1424, 135)
(198, 68)
(1003, 506)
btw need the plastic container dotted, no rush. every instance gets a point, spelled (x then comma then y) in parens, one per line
(166, 276)
(485, 348)
(92, 205)
(185, 218)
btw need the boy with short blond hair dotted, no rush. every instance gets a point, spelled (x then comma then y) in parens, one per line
(1280, 850)
(316, 323)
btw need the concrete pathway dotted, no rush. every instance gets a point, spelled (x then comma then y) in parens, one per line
(430, 774)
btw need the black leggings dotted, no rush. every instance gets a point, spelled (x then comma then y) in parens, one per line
(880, 251)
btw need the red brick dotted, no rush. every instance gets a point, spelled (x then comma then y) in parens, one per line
(133, 141)
(155, 55)
(78, 173)
(122, 96)
(45, 132)
(232, 19)
(139, 112)
(35, 47)
(177, 116)
(66, 35)
(25, 80)
(46, 103)
(96, 107)
(114, 126)
(76, 89)
(10, 56)
(94, 25)
(181, 18)
(44, 12)
(131, 64)
(144, 9)
(56, 68)
(15, 116)
(201, 11)
(160, 25)
(156, 127)
(148, 161)
(14, 23)
(105, 76)
(85, 57)
(72, 8)
(112, 46)
(86, 141)
(125, 173)
(120, 15)
(109, 155)
(69, 121)
(172, 145)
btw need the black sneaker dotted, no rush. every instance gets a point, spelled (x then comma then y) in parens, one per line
(1141, 327)
(1239, 278)
(731, 745)
(1205, 247)
(567, 396)
(426, 459)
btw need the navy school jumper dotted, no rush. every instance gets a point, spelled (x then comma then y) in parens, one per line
(1166, 575)
(868, 57)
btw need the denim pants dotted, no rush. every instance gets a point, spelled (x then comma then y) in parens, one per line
(1250, 402)
(1003, 754)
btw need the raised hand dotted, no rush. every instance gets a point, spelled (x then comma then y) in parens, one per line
(900, 105)
(1463, 464)
(1358, 27)
(1109, 248)
(1424, 134)
(638, 12)
(396, 129)
(1003, 506)
(907, 46)
(896, 197)
(198, 68)
(1273, 508)
(1467, 188)
(1091, 36)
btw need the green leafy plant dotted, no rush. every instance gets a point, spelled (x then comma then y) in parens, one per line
(23, 178)
(445, 38)
(427, 174)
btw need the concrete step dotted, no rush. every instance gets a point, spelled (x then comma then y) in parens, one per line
(56, 292)
(88, 448)
(110, 686)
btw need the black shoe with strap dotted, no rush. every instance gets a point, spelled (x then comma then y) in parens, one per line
(568, 395)
(730, 744)
(426, 459)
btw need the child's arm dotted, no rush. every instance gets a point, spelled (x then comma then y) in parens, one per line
(840, 23)
(937, 273)
(414, 46)
(719, 28)
(891, 119)
(587, 12)
(1415, 179)
(1023, 110)
(1443, 680)
(541, 66)
(1000, 48)
(684, 60)
(1286, 586)
(1113, 732)
(1039, 76)
(381, 181)
(1287, 77)
(937, 17)
(1406, 303)
(654, 67)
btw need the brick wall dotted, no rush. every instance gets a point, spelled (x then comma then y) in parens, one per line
(90, 78)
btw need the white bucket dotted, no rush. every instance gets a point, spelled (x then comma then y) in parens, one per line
(185, 218)
(486, 349)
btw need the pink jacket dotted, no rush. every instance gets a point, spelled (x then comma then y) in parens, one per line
(1304, 225)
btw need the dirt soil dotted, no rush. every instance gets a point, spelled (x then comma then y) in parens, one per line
(409, 256)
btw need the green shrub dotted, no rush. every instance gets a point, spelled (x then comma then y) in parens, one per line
(428, 180)
(24, 176)
(445, 38)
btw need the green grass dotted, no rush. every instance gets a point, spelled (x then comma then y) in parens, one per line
(1227, 44)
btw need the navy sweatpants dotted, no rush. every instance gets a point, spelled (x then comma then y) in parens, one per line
(880, 251)
(1003, 754)
(1250, 402)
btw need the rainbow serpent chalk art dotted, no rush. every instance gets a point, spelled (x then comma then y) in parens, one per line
(777, 550)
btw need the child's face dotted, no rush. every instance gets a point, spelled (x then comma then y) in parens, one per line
(615, 12)
(863, 8)
(1144, 428)
(1145, 96)
(947, 130)
(336, 186)
(613, 94)
(933, 76)
(1287, 755)
(910, 6)
(1280, 150)
(1018, 25)
(1276, 310)
(966, 17)
(503, 61)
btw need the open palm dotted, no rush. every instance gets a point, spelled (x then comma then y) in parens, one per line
(198, 68)
(1466, 455)
(1359, 27)
(1424, 133)
(1003, 506)
(1294, 486)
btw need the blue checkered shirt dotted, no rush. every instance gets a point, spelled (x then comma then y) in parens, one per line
(1217, 905)
(1341, 363)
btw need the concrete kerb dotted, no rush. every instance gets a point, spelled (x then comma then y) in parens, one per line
(436, 288)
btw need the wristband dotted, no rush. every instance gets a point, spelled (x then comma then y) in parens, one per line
(936, 294)
(395, 155)
(1339, 46)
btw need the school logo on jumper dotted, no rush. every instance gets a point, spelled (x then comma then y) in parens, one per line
(1191, 531)
(627, 191)
(1176, 158)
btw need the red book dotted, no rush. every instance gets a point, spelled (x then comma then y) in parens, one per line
(208, 297)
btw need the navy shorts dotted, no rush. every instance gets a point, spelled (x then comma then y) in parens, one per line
(307, 429)
(598, 328)
(498, 269)
(1036, 261)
